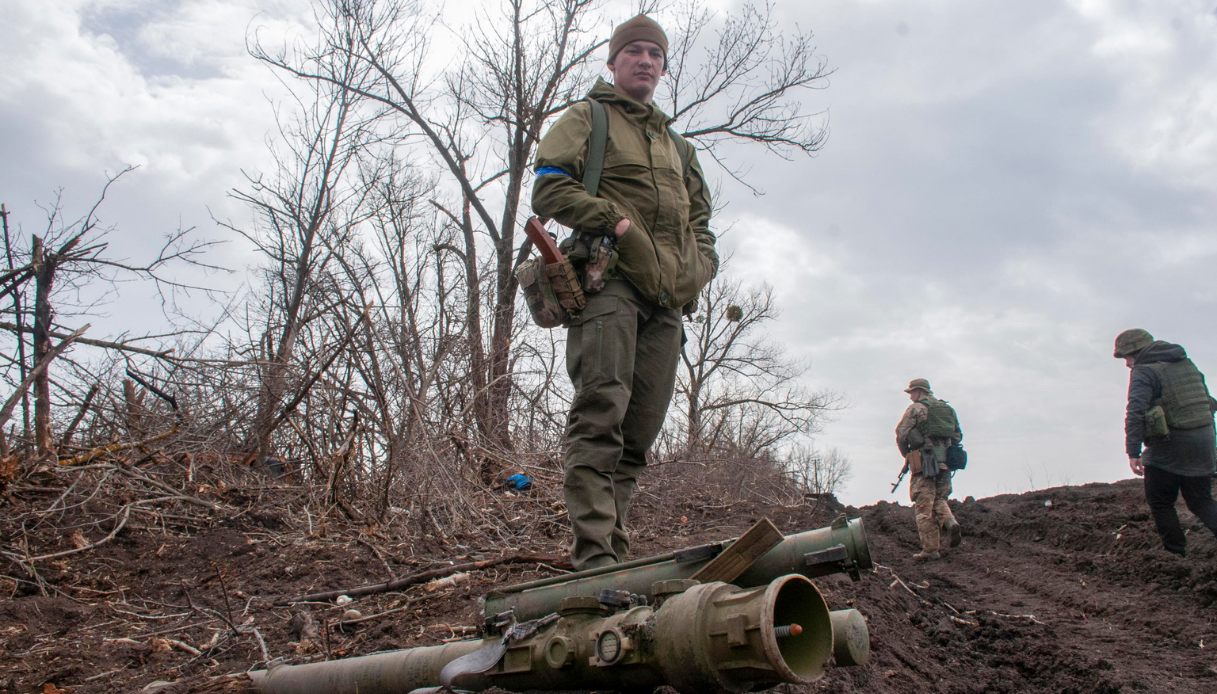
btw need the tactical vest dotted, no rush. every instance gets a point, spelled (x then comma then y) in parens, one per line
(940, 423)
(1185, 398)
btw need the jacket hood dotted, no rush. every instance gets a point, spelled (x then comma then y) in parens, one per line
(604, 92)
(1160, 351)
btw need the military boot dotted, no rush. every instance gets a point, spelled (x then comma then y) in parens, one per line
(923, 555)
(954, 532)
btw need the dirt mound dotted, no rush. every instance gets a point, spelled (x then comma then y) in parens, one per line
(1059, 590)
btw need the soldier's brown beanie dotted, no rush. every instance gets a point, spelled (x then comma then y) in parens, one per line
(640, 28)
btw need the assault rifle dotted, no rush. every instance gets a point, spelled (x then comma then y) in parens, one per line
(534, 229)
(903, 471)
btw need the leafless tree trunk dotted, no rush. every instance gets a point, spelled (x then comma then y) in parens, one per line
(13, 279)
(308, 212)
(736, 384)
(44, 278)
(405, 342)
(475, 128)
(816, 472)
(60, 262)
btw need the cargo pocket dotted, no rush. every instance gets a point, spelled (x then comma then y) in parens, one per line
(587, 362)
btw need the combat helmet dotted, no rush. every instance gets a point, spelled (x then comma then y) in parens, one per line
(1132, 341)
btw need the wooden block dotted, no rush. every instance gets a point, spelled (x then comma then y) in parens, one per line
(736, 559)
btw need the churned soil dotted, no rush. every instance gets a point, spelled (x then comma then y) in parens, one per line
(1058, 590)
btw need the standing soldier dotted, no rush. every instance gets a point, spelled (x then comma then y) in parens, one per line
(653, 205)
(928, 428)
(1170, 413)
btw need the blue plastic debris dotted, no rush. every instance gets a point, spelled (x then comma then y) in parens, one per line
(519, 482)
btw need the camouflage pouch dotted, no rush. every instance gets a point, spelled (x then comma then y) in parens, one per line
(594, 257)
(1155, 423)
(601, 260)
(566, 287)
(551, 291)
(933, 457)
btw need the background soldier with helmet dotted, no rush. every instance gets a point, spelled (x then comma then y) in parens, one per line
(928, 428)
(1168, 432)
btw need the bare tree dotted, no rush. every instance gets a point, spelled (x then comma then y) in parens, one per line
(407, 340)
(67, 259)
(744, 83)
(817, 472)
(479, 123)
(737, 386)
(307, 212)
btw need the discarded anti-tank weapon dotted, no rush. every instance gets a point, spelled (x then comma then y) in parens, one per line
(615, 632)
(903, 471)
(837, 548)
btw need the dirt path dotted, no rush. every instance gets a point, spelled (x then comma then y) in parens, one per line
(1057, 591)
(1061, 590)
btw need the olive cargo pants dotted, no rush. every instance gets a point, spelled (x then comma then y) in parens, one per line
(621, 356)
(929, 496)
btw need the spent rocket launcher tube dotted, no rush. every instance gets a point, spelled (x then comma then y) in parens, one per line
(840, 547)
(702, 637)
(390, 671)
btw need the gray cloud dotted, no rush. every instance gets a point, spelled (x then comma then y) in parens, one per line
(1005, 187)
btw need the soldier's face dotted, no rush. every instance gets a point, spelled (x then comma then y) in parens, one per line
(637, 68)
(1129, 361)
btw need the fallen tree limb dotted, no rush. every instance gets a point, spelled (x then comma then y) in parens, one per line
(115, 447)
(121, 346)
(7, 410)
(424, 576)
(126, 513)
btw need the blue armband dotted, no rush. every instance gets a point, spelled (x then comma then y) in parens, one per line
(553, 171)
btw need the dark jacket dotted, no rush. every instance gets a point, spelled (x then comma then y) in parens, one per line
(1187, 452)
(668, 254)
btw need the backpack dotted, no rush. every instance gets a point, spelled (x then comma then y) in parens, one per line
(941, 421)
(1185, 397)
(957, 457)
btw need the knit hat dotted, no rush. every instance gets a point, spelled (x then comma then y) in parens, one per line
(640, 28)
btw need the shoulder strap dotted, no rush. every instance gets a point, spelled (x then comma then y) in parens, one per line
(595, 151)
(682, 148)
(598, 141)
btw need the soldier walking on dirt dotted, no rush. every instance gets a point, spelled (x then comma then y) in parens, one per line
(1170, 414)
(652, 209)
(928, 428)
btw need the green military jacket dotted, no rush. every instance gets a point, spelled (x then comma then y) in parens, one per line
(668, 253)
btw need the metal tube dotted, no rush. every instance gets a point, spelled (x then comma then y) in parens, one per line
(711, 637)
(390, 672)
(840, 547)
(850, 638)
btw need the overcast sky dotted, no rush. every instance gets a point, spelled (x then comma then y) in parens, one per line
(1006, 185)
